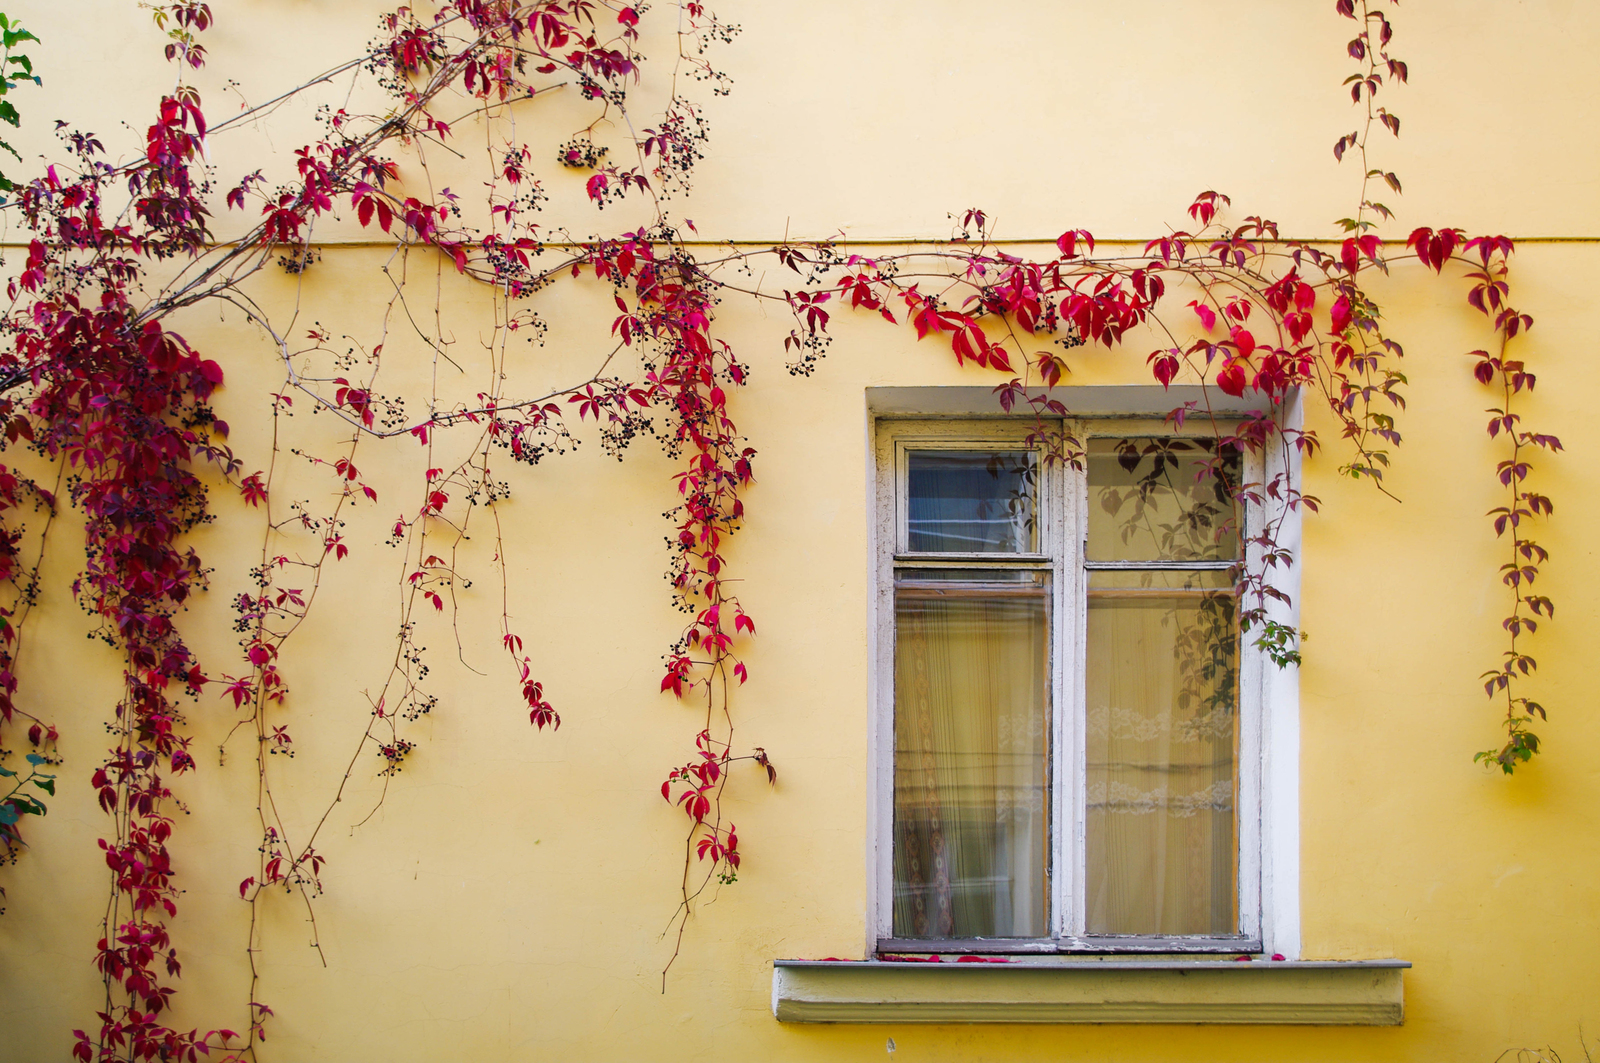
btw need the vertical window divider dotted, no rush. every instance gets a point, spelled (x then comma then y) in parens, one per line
(1068, 702)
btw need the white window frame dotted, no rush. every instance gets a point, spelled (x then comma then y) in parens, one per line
(1269, 729)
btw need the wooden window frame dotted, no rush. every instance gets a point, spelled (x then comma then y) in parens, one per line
(1268, 710)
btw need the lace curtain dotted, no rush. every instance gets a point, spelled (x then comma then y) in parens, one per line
(1161, 854)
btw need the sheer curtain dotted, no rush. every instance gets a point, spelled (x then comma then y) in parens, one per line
(1161, 735)
(971, 736)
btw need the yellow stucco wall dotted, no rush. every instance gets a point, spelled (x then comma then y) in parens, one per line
(508, 897)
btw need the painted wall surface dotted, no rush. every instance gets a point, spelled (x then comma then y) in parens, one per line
(504, 897)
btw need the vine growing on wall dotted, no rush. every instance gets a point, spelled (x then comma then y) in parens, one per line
(107, 395)
(1485, 261)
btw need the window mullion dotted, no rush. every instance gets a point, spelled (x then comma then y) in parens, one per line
(1068, 764)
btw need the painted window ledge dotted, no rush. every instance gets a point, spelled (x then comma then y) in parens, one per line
(1183, 990)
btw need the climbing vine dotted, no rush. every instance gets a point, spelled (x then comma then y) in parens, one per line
(1485, 261)
(102, 391)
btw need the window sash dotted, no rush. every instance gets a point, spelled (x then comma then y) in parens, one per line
(1161, 761)
(972, 816)
(1060, 510)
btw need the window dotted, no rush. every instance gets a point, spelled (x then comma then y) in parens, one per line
(1070, 724)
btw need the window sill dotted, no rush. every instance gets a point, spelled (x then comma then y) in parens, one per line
(1186, 990)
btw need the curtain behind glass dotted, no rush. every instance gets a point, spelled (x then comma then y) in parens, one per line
(1161, 499)
(971, 829)
(1162, 726)
(970, 501)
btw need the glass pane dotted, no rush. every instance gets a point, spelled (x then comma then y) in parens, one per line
(1162, 499)
(1163, 680)
(970, 501)
(971, 809)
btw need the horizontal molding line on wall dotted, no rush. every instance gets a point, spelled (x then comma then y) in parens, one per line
(892, 241)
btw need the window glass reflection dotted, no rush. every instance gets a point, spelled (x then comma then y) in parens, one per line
(1162, 499)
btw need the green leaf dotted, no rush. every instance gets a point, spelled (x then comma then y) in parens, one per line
(36, 759)
(8, 814)
(47, 783)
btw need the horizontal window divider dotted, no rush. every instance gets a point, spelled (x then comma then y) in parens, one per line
(1116, 943)
(993, 557)
(966, 946)
(1111, 944)
(1159, 566)
(1143, 963)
